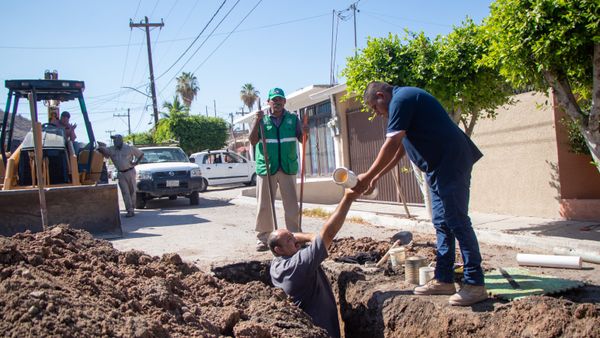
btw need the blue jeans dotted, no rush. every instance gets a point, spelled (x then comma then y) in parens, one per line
(450, 204)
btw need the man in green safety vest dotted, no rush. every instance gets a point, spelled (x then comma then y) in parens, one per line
(282, 132)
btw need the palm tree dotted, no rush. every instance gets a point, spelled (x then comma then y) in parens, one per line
(175, 108)
(249, 95)
(187, 88)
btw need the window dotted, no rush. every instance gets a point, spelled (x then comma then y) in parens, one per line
(320, 149)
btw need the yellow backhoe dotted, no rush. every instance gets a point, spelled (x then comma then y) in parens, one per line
(48, 180)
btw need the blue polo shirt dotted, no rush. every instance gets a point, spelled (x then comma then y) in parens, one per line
(433, 141)
(302, 278)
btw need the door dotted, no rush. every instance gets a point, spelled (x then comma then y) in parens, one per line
(235, 168)
(365, 138)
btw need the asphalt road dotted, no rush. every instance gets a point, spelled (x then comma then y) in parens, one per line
(218, 231)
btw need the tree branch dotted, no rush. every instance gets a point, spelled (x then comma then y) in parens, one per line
(564, 96)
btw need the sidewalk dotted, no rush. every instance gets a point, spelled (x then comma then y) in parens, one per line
(530, 234)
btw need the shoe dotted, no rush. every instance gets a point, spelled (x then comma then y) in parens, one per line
(130, 214)
(433, 287)
(469, 295)
(260, 246)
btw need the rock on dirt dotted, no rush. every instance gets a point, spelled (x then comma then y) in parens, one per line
(63, 282)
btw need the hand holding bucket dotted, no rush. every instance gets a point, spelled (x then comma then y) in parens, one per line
(348, 179)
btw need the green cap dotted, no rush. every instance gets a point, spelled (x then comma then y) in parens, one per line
(275, 92)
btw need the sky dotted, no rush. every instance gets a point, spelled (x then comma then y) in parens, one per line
(268, 43)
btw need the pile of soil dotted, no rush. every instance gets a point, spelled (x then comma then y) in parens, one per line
(63, 282)
(366, 249)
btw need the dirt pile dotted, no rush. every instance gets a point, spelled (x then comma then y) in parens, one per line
(64, 282)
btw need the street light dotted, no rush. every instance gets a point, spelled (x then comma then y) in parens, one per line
(153, 103)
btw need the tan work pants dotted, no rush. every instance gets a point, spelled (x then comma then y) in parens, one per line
(287, 189)
(127, 186)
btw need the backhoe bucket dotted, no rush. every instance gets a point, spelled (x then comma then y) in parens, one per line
(94, 208)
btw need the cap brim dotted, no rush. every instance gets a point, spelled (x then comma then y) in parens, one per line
(276, 95)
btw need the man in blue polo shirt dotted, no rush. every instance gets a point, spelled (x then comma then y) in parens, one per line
(419, 126)
(298, 270)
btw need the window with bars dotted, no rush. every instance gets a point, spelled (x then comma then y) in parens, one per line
(320, 153)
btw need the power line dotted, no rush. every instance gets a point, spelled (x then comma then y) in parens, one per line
(193, 42)
(202, 44)
(227, 37)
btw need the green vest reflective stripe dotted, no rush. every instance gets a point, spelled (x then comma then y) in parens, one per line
(281, 146)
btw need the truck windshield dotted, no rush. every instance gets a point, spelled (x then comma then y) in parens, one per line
(164, 155)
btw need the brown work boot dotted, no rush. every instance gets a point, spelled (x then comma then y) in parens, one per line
(469, 295)
(433, 287)
(260, 246)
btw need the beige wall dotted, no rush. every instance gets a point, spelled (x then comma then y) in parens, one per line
(518, 174)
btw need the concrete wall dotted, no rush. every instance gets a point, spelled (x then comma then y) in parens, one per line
(518, 174)
(579, 180)
(316, 190)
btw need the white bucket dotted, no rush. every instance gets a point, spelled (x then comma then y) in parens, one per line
(426, 274)
(347, 178)
(397, 256)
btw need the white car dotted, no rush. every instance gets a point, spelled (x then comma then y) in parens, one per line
(223, 167)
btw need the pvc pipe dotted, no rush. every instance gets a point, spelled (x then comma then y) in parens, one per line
(348, 179)
(551, 261)
(586, 256)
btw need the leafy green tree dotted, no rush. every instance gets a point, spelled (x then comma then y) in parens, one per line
(466, 87)
(194, 133)
(387, 59)
(448, 67)
(249, 95)
(140, 138)
(187, 88)
(552, 44)
(174, 108)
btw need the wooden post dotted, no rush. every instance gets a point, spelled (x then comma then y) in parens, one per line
(401, 199)
(36, 127)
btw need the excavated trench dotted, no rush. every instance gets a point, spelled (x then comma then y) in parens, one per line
(379, 303)
(63, 282)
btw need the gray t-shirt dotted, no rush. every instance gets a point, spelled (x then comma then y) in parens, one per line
(302, 278)
(123, 157)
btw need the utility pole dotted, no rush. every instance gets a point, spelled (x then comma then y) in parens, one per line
(110, 132)
(353, 7)
(215, 103)
(206, 110)
(128, 120)
(147, 26)
(233, 132)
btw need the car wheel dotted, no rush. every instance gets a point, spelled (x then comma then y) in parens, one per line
(194, 199)
(140, 200)
(252, 180)
(203, 185)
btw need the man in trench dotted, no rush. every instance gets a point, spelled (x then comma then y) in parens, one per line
(298, 270)
(125, 158)
(419, 126)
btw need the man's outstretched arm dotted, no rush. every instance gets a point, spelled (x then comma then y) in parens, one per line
(336, 220)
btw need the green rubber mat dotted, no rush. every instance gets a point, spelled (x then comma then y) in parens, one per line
(529, 284)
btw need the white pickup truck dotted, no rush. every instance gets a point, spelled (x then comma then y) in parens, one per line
(167, 172)
(223, 167)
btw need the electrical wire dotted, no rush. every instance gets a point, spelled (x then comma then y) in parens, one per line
(202, 44)
(228, 35)
(193, 42)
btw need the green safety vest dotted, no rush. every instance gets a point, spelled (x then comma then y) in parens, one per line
(281, 146)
